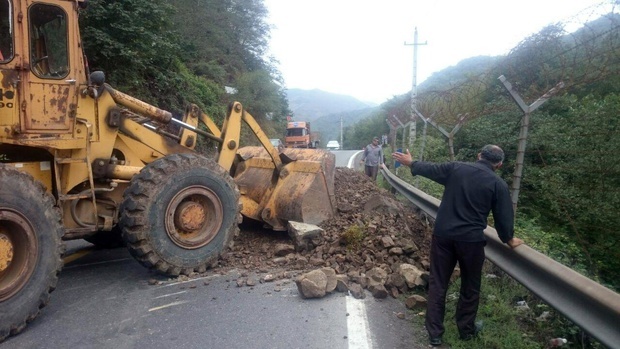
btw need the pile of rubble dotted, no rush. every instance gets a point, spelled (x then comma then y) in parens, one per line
(373, 242)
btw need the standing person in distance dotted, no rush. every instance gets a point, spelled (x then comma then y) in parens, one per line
(373, 157)
(472, 191)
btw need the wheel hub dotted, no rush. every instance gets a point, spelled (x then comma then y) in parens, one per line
(194, 217)
(190, 216)
(6, 252)
(18, 252)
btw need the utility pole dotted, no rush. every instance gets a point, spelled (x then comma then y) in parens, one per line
(341, 129)
(414, 87)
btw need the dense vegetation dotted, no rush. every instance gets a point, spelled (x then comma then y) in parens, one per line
(186, 51)
(570, 189)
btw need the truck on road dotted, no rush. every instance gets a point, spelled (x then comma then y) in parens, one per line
(299, 135)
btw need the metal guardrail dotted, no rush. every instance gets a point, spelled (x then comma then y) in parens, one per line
(591, 306)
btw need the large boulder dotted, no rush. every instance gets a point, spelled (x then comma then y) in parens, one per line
(302, 234)
(413, 276)
(312, 284)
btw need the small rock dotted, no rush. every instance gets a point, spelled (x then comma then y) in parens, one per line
(357, 291)
(378, 291)
(387, 242)
(269, 278)
(283, 249)
(415, 302)
(396, 251)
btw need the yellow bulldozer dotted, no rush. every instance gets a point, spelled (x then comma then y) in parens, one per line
(81, 160)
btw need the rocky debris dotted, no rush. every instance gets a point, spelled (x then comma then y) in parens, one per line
(284, 249)
(303, 234)
(412, 275)
(416, 302)
(319, 282)
(312, 284)
(357, 291)
(373, 242)
(332, 281)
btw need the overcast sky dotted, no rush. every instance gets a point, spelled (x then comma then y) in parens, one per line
(357, 47)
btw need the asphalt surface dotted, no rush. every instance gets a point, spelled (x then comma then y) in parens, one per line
(105, 299)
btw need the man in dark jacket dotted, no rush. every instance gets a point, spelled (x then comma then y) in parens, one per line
(472, 191)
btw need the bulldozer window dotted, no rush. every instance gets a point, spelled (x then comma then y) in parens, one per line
(48, 41)
(6, 31)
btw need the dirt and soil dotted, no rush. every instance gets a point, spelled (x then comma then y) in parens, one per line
(370, 229)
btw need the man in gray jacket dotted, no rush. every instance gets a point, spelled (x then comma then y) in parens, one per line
(373, 157)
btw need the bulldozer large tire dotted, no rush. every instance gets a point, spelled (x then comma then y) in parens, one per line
(179, 213)
(30, 249)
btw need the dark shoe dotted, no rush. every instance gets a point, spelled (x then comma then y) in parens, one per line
(435, 341)
(469, 336)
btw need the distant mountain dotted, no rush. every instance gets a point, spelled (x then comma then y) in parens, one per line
(325, 111)
(460, 72)
(309, 105)
(329, 125)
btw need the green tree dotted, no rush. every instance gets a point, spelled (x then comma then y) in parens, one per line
(225, 41)
(225, 38)
(575, 177)
(133, 42)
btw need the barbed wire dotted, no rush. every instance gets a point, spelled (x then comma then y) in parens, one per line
(588, 55)
(581, 52)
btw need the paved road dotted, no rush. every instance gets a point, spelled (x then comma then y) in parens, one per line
(104, 300)
(347, 158)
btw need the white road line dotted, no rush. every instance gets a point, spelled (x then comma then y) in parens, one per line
(170, 294)
(190, 280)
(168, 305)
(357, 324)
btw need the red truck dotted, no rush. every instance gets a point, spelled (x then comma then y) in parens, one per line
(298, 135)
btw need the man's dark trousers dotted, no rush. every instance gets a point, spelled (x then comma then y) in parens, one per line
(445, 253)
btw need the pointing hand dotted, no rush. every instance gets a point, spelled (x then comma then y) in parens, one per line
(404, 159)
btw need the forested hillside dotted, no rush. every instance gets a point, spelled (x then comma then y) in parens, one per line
(171, 53)
(570, 187)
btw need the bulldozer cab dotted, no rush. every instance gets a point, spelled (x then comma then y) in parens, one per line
(48, 41)
(36, 60)
(49, 74)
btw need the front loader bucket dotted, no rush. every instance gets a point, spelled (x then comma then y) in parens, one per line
(302, 190)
